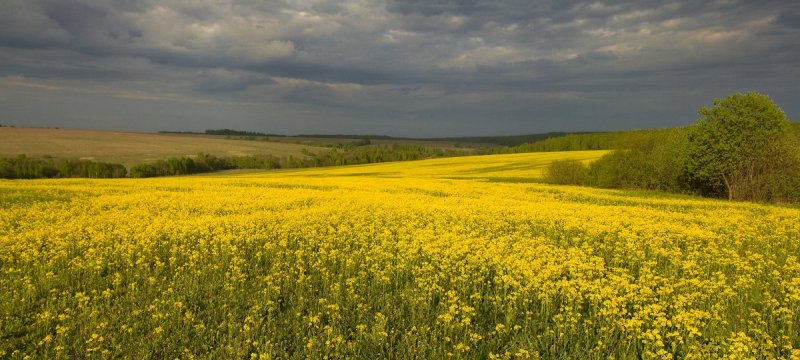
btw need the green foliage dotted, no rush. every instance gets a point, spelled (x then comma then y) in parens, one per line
(147, 170)
(251, 134)
(647, 160)
(566, 172)
(181, 166)
(23, 167)
(345, 155)
(362, 153)
(623, 169)
(741, 148)
(783, 180)
(573, 142)
(650, 160)
(737, 145)
(588, 141)
(510, 140)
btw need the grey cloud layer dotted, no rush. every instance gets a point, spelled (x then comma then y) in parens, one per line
(404, 66)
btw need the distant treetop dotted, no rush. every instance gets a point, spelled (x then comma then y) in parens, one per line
(237, 132)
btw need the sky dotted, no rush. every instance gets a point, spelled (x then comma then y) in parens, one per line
(420, 68)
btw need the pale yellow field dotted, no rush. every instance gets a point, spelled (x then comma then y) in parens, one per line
(419, 259)
(131, 148)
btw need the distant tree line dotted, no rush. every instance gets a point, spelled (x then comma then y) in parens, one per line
(595, 141)
(227, 132)
(583, 141)
(506, 141)
(23, 167)
(344, 155)
(345, 136)
(231, 132)
(180, 132)
(742, 148)
(366, 154)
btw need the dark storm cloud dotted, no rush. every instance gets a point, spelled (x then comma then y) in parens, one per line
(790, 18)
(402, 66)
(224, 81)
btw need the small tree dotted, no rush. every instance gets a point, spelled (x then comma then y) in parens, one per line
(731, 147)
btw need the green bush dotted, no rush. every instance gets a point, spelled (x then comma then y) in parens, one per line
(742, 148)
(623, 169)
(566, 172)
(649, 160)
(147, 170)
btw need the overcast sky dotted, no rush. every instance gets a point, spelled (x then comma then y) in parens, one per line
(405, 68)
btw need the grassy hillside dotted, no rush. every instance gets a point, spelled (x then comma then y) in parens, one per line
(404, 260)
(130, 148)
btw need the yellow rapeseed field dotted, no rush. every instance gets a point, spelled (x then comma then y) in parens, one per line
(461, 258)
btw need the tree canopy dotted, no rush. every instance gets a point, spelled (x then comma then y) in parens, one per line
(732, 137)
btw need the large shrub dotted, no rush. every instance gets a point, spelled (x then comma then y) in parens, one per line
(741, 148)
(648, 160)
(623, 169)
(566, 172)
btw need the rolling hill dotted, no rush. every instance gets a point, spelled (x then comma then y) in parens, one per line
(131, 148)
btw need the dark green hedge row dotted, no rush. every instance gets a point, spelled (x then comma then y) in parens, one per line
(23, 167)
(348, 155)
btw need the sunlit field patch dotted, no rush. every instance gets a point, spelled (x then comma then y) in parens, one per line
(424, 259)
